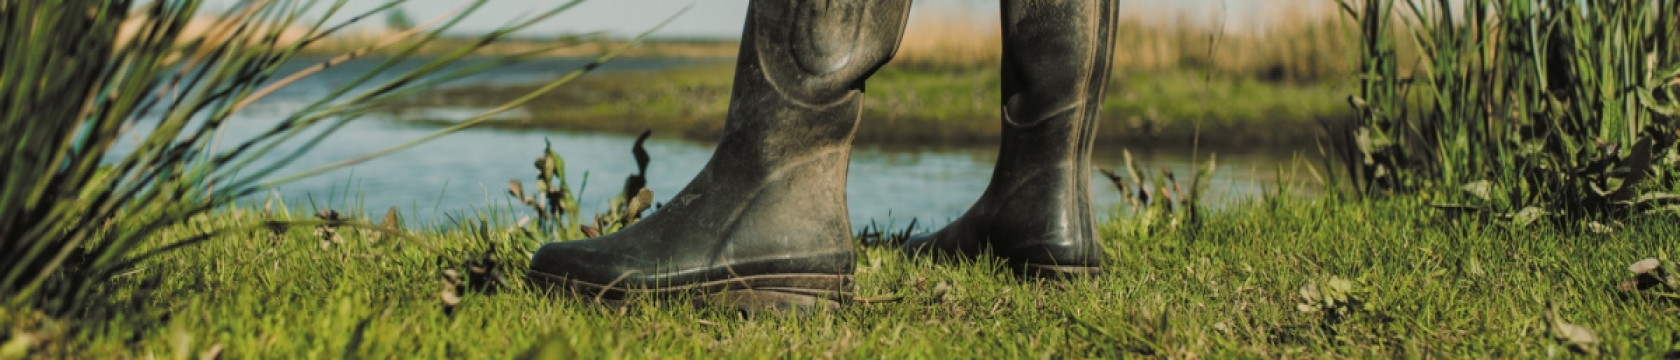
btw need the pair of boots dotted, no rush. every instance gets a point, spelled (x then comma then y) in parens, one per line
(764, 223)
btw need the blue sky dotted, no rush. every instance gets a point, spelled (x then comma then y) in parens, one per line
(711, 18)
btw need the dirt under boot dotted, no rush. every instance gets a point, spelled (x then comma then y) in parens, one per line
(1036, 213)
(764, 224)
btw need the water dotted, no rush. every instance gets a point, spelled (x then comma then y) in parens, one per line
(469, 171)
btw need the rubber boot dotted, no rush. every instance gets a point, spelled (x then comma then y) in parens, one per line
(764, 223)
(1036, 213)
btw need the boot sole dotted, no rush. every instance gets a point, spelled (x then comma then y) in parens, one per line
(1059, 272)
(777, 292)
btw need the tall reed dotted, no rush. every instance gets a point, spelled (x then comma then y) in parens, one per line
(74, 213)
(1565, 107)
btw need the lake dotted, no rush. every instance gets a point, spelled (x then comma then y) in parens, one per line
(469, 171)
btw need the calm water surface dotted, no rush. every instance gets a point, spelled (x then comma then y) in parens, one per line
(469, 171)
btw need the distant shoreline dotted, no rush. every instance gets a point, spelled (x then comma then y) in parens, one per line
(678, 48)
(907, 106)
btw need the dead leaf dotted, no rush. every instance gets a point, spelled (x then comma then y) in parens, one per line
(1645, 266)
(1528, 215)
(1481, 189)
(942, 292)
(1579, 339)
(1647, 274)
(451, 284)
(215, 352)
(1598, 228)
(393, 220)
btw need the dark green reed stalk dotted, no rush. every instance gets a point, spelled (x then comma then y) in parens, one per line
(1374, 148)
(1563, 106)
(74, 214)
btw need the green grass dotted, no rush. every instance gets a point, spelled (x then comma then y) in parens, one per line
(948, 106)
(1427, 285)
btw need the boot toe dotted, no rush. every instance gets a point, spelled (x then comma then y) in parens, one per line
(573, 261)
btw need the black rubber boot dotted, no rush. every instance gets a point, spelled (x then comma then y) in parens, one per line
(1036, 213)
(764, 224)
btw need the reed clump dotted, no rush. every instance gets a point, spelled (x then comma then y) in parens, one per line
(1524, 109)
(78, 214)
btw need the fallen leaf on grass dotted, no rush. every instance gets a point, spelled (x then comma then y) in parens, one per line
(942, 292)
(451, 284)
(1579, 339)
(214, 353)
(1598, 228)
(1647, 274)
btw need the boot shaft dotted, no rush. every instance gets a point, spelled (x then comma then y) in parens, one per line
(800, 73)
(1036, 214)
(1056, 61)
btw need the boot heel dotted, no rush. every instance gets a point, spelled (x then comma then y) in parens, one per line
(773, 301)
(778, 292)
(1060, 272)
(782, 292)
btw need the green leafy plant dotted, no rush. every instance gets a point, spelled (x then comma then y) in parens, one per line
(556, 200)
(1161, 202)
(557, 209)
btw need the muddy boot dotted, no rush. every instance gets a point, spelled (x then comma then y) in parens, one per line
(1036, 213)
(764, 224)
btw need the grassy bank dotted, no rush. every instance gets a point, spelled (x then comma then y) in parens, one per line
(1262, 85)
(950, 106)
(1422, 285)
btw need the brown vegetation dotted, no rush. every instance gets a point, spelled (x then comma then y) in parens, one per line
(1294, 43)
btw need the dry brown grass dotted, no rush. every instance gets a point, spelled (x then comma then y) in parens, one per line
(1294, 43)
(212, 29)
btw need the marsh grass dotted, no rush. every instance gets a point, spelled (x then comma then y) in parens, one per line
(1535, 108)
(1386, 278)
(77, 217)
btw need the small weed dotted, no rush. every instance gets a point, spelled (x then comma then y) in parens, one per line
(1161, 202)
(557, 209)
